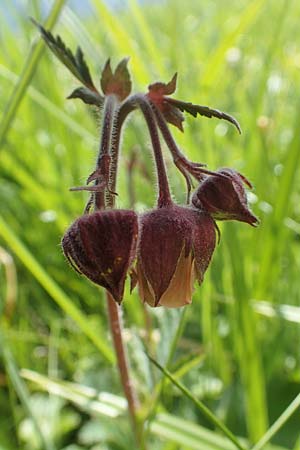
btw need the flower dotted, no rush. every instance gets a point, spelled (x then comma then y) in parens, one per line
(225, 197)
(102, 247)
(175, 247)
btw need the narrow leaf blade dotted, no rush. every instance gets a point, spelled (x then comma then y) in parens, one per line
(205, 411)
(205, 111)
(75, 63)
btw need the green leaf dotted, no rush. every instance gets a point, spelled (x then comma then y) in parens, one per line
(206, 111)
(75, 63)
(87, 96)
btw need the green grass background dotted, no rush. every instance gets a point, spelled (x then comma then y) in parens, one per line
(238, 343)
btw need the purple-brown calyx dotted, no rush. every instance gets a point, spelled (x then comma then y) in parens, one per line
(102, 246)
(224, 198)
(175, 247)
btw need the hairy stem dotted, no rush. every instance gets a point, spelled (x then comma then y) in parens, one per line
(141, 101)
(103, 160)
(119, 120)
(164, 197)
(111, 117)
(186, 167)
(116, 329)
(170, 141)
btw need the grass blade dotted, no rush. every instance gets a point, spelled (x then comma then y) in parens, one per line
(26, 75)
(215, 62)
(272, 248)
(205, 411)
(84, 397)
(289, 411)
(147, 37)
(246, 341)
(50, 107)
(165, 425)
(21, 389)
(171, 428)
(121, 39)
(160, 385)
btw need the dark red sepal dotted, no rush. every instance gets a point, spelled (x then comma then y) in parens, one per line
(102, 247)
(117, 82)
(225, 197)
(175, 247)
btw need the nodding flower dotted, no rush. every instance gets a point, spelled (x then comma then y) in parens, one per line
(102, 246)
(172, 244)
(225, 197)
(175, 247)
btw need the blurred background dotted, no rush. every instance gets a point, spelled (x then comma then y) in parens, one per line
(237, 346)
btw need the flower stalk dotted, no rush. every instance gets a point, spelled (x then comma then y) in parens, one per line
(187, 168)
(103, 160)
(121, 114)
(164, 195)
(116, 327)
(113, 309)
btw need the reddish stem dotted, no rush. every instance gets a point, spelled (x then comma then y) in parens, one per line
(164, 197)
(120, 116)
(116, 330)
(170, 141)
(110, 114)
(103, 160)
(141, 101)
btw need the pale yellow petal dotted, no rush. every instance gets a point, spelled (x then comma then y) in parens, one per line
(180, 290)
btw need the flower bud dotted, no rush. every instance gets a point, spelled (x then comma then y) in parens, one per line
(102, 247)
(225, 197)
(175, 247)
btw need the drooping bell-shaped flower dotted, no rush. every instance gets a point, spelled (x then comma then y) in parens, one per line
(225, 197)
(175, 247)
(102, 247)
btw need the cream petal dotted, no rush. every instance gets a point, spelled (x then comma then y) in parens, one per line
(180, 290)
